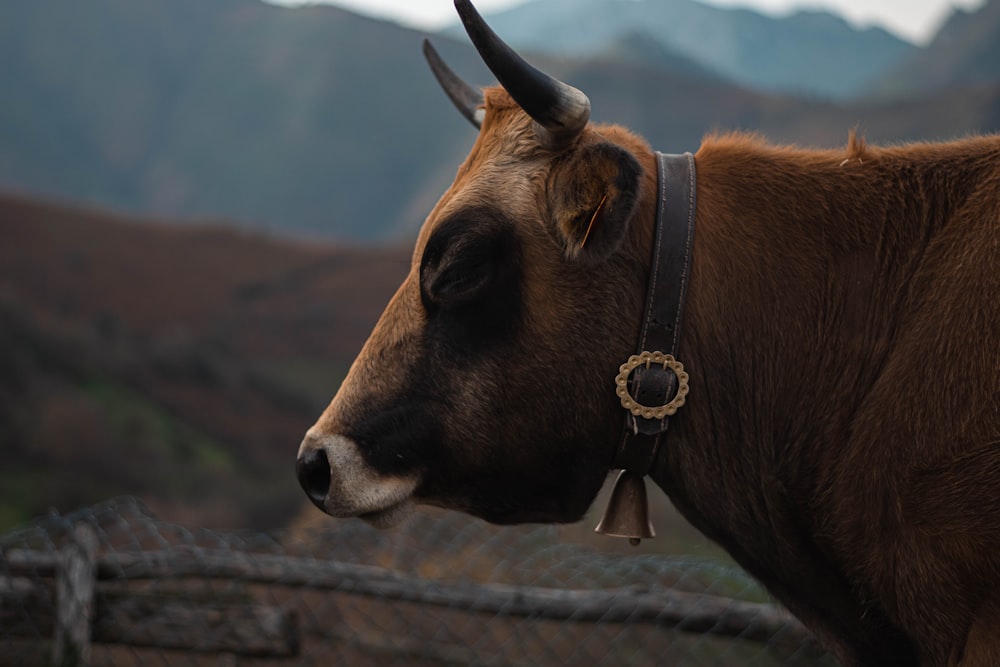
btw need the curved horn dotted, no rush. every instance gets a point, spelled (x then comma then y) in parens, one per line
(466, 99)
(562, 110)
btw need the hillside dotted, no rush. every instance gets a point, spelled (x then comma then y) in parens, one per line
(181, 364)
(965, 52)
(282, 118)
(315, 121)
(810, 53)
(695, 108)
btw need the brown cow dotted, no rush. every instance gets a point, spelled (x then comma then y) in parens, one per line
(842, 336)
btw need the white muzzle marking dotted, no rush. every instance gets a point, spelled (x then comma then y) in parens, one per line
(355, 488)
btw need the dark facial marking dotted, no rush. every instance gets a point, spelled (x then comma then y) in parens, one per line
(470, 289)
(470, 283)
(471, 277)
(401, 437)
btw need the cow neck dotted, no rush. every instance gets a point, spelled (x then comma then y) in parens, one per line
(652, 384)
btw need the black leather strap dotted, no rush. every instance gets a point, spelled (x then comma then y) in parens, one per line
(669, 274)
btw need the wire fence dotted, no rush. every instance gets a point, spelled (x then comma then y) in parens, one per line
(113, 585)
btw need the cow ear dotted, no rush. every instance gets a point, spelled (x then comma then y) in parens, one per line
(593, 193)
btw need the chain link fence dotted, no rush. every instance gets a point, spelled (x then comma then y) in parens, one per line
(113, 585)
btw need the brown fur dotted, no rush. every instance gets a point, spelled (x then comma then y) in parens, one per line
(842, 436)
(848, 306)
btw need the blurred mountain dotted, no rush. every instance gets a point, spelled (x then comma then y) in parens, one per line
(805, 53)
(966, 51)
(179, 364)
(315, 121)
(640, 49)
(298, 119)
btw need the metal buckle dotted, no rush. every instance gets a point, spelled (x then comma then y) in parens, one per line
(648, 358)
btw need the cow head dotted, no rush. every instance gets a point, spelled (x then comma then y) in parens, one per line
(487, 385)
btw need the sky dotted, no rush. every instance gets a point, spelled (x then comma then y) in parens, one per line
(915, 20)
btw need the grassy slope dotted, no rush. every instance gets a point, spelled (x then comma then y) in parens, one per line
(179, 364)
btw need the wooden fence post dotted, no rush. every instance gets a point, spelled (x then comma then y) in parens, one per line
(75, 584)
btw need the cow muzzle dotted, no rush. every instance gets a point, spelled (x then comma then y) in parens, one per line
(336, 478)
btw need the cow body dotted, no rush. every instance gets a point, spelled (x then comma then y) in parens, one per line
(843, 339)
(842, 336)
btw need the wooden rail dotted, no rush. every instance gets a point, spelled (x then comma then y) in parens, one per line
(261, 630)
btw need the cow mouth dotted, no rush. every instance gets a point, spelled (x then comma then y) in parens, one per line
(389, 517)
(382, 503)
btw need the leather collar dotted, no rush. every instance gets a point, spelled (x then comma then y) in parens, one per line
(652, 385)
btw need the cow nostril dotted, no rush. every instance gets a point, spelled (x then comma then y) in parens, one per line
(313, 470)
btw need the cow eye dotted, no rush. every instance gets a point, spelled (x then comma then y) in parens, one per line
(459, 280)
(469, 271)
(462, 275)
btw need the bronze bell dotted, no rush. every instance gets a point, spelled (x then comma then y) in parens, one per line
(627, 514)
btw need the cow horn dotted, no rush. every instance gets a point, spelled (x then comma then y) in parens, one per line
(466, 99)
(560, 110)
